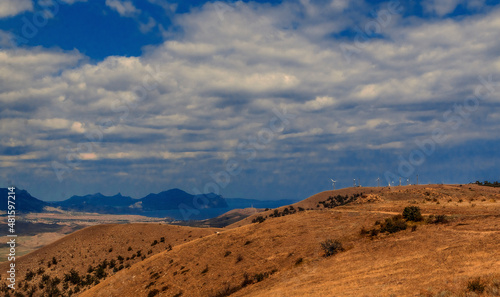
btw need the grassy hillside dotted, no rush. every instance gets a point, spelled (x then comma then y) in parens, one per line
(453, 251)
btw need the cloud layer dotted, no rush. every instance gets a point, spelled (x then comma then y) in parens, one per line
(180, 113)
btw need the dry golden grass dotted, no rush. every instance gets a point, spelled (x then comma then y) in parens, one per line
(284, 253)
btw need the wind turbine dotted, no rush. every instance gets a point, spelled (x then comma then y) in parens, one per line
(354, 182)
(333, 183)
(400, 181)
(407, 181)
(378, 181)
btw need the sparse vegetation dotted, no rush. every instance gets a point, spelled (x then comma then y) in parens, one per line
(488, 184)
(394, 224)
(476, 286)
(226, 291)
(439, 219)
(73, 277)
(331, 247)
(334, 201)
(258, 219)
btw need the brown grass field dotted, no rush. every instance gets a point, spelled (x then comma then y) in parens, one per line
(282, 256)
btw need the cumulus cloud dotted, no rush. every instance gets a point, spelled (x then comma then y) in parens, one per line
(10, 8)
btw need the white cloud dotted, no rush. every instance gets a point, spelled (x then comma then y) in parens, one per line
(440, 7)
(10, 8)
(218, 82)
(124, 8)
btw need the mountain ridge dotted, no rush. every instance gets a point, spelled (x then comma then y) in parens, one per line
(175, 203)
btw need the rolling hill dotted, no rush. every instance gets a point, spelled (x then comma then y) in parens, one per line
(453, 251)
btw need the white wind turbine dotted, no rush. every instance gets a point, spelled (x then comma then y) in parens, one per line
(378, 181)
(333, 183)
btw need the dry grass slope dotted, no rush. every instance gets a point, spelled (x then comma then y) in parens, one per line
(282, 255)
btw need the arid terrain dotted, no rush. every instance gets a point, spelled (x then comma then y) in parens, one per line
(451, 251)
(36, 230)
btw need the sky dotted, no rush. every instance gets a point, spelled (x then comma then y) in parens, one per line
(265, 99)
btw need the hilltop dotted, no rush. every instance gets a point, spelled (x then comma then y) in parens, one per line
(279, 252)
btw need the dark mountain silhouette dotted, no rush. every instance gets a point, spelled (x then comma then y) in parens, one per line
(175, 198)
(98, 203)
(24, 201)
(174, 203)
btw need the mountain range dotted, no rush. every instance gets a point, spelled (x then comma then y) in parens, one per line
(174, 203)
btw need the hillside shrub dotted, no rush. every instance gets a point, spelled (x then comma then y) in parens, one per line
(475, 286)
(226, 291)
(439, 219)
(258, 219)
(73, 277)
(412, 213)
(331, 247)
(246, 280)
(153, 293)
(29, 275)
(393, 225)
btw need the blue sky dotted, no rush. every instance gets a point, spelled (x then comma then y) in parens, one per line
(261, 99)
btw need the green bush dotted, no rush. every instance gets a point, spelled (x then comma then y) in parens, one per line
(412, 213)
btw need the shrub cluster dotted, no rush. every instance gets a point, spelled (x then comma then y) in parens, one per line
(488, 184)
(439, 219)
(393, 224)
(286, 211)
(334, 201)
(258, 219)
